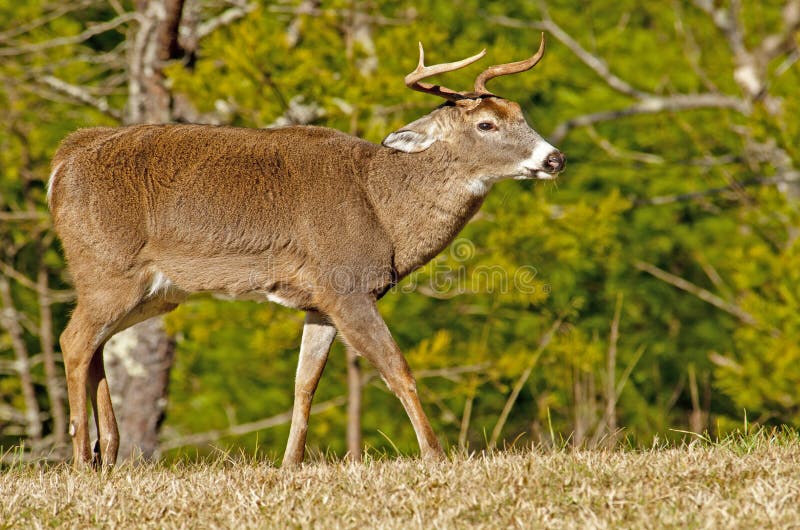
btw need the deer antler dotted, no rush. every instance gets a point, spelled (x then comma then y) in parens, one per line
(421, 72)
(505, 69)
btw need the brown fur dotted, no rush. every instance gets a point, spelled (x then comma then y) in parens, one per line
(309, 216)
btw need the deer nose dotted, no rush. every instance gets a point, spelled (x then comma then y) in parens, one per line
(555, 162)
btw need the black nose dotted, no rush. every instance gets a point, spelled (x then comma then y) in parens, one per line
(555, 162)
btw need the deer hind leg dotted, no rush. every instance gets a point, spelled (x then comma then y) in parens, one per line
(107, 445)
(81, 343)
(318, 335)
(363, 329)
(97, 316)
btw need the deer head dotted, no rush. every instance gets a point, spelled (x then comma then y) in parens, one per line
(488, 129)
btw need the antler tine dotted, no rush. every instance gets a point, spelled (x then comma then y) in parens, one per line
(421, 72)
(509, 68)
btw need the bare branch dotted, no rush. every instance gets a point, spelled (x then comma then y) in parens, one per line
(11, 415)
(692, 50)
(777, 44)
(616, 152)
(750, 72)
(734, 187)
(227, 17)
(727, 21)
(648, 103)
(93, 30)
(11, 366)
(45, 19)
(611, 372)
(82, 95)
(8, 367)
(294, 27)
(297, 112)
(432, 292)
(653, 105)
(54, 381)
(245, 428)
(452, 373)
(308, 8)
(725, 362)
(466, 415)
(286, 417)
(699, 292)
(787, 63)
(55, 296)
(311, 10)
(592, 61)
(9, 321)
(544, 341)
(24, 216)
(110, 61)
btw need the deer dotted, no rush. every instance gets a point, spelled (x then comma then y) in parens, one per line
(308, 217)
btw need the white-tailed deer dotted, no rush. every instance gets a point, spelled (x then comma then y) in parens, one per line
(307, 217)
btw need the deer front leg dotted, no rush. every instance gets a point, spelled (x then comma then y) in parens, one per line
(363, 329)
(318, 335)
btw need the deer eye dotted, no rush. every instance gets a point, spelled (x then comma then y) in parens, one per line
(487, 126)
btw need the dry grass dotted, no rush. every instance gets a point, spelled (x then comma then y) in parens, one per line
(751, 483)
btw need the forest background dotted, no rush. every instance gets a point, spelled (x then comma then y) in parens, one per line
(654, 290)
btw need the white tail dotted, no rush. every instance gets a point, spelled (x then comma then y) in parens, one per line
(304, 216)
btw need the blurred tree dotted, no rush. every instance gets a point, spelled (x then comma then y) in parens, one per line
(668, 254)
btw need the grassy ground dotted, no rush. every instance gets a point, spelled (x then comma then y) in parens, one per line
(743, 482)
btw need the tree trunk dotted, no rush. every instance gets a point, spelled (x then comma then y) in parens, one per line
(54, 380)
(9, 320)
(154, 43)
(138, 360)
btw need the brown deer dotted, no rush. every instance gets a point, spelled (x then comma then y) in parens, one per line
(308, 217)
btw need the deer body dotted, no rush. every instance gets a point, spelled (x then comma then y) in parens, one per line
(305, 216)
(282, 212)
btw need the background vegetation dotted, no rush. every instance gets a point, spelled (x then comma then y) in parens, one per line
(662, 271)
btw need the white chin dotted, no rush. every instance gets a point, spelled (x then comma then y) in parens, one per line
(537, 175)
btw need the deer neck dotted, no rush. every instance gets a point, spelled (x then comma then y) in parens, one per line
(423, 200)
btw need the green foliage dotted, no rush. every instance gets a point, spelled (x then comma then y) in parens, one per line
(535, 253)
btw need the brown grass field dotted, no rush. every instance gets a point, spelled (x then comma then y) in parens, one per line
(742, 482)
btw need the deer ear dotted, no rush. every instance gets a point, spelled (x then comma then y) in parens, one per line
(414, 137)
(408, 141)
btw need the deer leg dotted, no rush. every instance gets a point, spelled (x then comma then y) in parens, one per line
(362, 328)
(318, 334)
(78, 345)
(99, 314)
(105, 451)
(107, 446)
